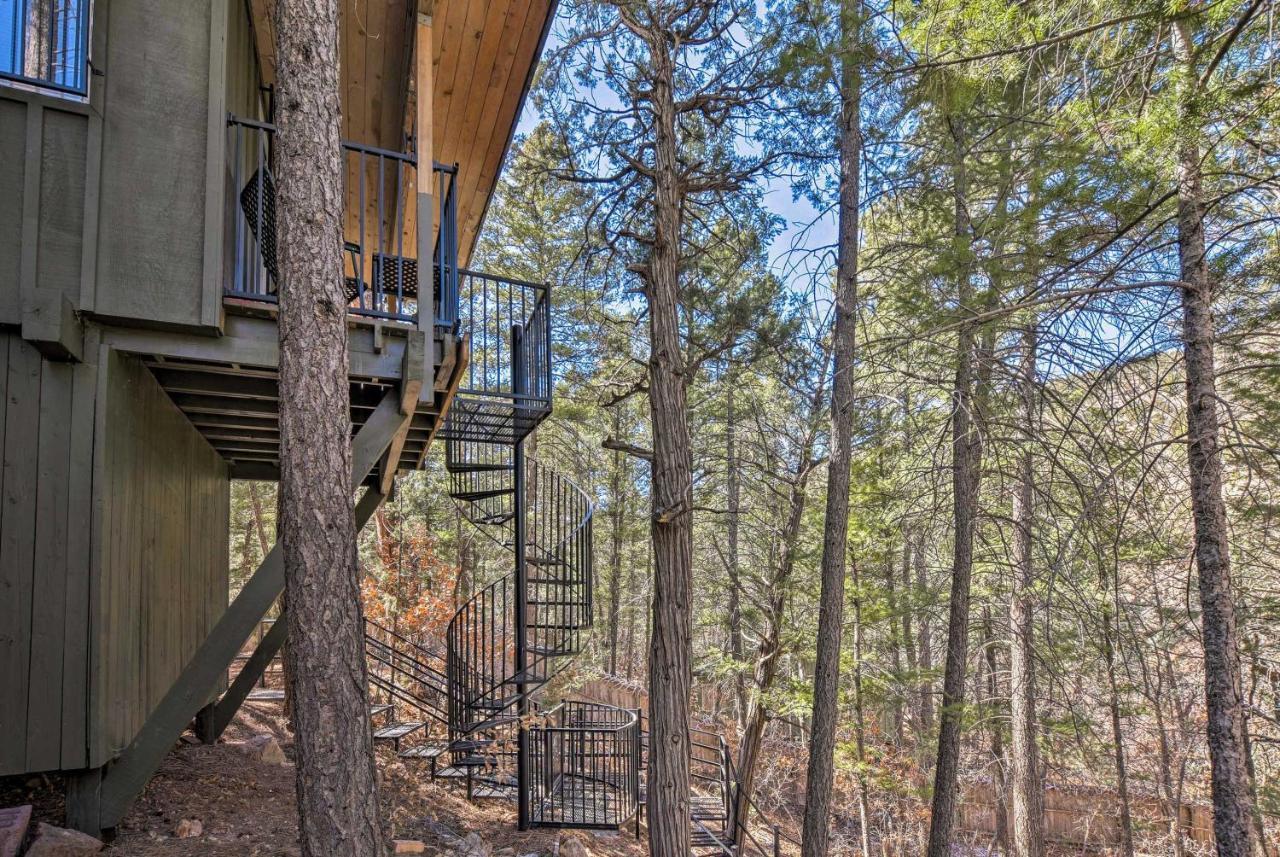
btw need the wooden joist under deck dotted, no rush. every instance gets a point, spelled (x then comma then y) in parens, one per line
(228, 387)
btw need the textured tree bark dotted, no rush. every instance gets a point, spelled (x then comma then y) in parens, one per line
(826, 673)
(908, 633)
(672, 489)
(337, 795)
(1117, 738)
(859, 721)
(737, 647)
(925, 642)
(617, 513)
(998, 761)
(1232, 786)
(1026, 805)
(896, 617)
(966, 458)
(769, 650)
(38, 37)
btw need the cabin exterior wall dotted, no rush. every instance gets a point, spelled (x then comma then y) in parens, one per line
(117, 200)
(162, 561)
(46, 506)
(113, 552)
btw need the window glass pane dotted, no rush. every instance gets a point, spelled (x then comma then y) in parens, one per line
(44, 42)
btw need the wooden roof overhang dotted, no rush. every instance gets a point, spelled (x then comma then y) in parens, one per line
(484, 55)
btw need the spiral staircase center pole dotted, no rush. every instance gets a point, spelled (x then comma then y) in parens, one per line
(522, 589)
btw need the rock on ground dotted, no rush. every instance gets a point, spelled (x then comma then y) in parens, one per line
(56, 842)
(266, 748)
(189, 828)
(409, 846)
(13, 829)
(472, 846)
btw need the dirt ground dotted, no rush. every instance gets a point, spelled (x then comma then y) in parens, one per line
(248, 808)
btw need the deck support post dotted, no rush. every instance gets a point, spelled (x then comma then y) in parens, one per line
(125, 779)
(424, 147)
(523, 784)
(84, 800)
(213, 719)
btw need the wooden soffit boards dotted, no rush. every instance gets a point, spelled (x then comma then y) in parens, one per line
(485, 53)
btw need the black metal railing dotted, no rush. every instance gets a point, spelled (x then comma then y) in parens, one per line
(380, 271)
(584, 766)
(506, 389)
(403, 672)
(45, 43)
(484, 676)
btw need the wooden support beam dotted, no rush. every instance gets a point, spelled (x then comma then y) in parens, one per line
(464, 356)
(49, 323)
(191, 691)
(424, 145)
(411, 385)
(213, 719)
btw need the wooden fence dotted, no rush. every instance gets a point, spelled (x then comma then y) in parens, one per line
(1085, 817)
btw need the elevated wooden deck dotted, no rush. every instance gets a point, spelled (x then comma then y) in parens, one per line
(228, 387)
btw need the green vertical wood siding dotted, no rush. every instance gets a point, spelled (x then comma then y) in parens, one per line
(113, 553)
(45, 505)
(162, 578)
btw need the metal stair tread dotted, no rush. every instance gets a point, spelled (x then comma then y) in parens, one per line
(478, 467)
(266, 694)
(424, 751)
(393, 731)
(472, 496)
(378, 708)
(549, 652)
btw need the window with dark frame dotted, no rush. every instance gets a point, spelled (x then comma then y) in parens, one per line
(45, 43)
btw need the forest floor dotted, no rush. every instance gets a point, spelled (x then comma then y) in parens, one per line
(247, 807)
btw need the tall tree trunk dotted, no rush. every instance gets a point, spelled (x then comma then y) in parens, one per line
(669, 648)
(966, 460)
(737, 647)
(998, 761)
(895, 647)
(925, 641)
(259, 520)
(908, 633)
(769, 650)
(1231, 785)
(1026, 804)
(1117, 737)
(826, 677)
(337, 791)
(617, 514)
(859, 721)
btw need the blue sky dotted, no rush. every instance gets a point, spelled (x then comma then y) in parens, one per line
(792, 253)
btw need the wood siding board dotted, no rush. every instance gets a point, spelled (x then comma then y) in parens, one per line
(17, 531)
(92, 186)
(472, 36)
(100, 597)
(353, 35)
(75, 677)
(60, 238)
(492, 133)
(215, 161)
(166, 542)
(31, 200)
(376, 49)
(13, 153)
(49, 580)
(154, 162)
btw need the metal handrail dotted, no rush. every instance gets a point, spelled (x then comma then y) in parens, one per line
(380, 276)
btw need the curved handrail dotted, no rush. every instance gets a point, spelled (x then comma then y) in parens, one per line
(480, 637)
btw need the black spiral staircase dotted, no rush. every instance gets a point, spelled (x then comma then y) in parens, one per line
(468, 706)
